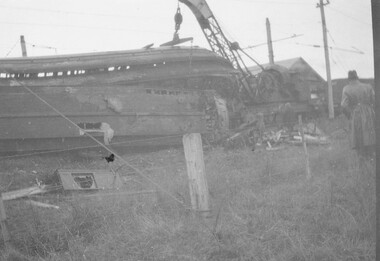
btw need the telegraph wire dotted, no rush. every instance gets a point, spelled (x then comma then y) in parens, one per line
(349, 16)
(82, 27)
(331, 47)
(273, 2)
(101, 144)
(43, 47)
(343, 65)
(260, 44)
(9, 52)
(64, 12)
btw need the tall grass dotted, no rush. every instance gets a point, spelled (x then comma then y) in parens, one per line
(263, 207)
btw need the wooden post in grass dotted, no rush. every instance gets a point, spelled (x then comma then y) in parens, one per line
(199, 195)
(308, 174)
(3, 224)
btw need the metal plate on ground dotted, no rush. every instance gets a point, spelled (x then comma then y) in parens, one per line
(84, 179)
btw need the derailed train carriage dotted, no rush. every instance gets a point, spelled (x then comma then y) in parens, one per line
(50, 103)
(117, 97)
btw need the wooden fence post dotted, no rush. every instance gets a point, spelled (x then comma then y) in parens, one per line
(199, 194)
(3, 224)
(308, 174)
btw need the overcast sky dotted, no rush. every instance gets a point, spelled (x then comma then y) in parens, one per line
(75, 26)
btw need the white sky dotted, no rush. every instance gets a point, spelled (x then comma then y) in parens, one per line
(74, 26)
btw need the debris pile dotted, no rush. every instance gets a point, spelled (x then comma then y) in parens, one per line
(257, 134)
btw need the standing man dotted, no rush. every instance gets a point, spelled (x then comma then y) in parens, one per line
(357, 104)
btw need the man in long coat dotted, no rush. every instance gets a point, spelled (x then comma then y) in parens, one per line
(357, 103)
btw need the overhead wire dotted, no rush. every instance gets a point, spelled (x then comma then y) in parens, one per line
(98, 142)
(274, 2)
(65, 12)
(341, 64)
(9, 52)
(82, 27)
(349, 16)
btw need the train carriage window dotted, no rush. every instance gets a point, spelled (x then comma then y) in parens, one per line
(41, 74)
(68, 73)
(49, 74)
(59, 73)
(110, 69)
(3, 75)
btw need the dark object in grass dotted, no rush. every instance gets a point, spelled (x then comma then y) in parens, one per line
(110, 158)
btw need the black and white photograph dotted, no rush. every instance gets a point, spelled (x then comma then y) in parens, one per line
(189, 130)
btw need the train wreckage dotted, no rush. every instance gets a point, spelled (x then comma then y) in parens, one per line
(50, 103)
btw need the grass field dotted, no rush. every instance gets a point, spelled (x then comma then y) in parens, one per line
(263, 208)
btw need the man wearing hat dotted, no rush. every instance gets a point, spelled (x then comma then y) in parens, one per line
(357, 103)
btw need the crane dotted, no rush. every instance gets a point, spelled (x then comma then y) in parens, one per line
(274, 85)
(219, 43)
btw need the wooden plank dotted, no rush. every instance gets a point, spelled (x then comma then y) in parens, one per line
(42, 205)
(196, 173)
(308, 174)
(11, 195)
(3, 224)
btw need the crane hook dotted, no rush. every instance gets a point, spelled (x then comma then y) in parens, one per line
(178, 19)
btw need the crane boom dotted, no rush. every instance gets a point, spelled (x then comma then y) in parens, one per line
(218, 41)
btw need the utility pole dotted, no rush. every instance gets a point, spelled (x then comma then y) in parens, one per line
(23, 46)
(321, 5)
(269, 41)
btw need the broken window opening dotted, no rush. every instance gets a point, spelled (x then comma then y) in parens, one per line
(89, 125)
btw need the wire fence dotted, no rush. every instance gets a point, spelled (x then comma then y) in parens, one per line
(154, 177)
(275, 167)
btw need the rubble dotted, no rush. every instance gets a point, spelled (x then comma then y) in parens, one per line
(255, 134)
